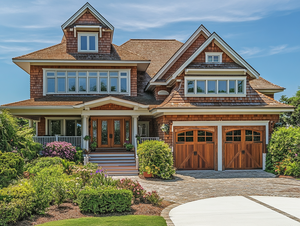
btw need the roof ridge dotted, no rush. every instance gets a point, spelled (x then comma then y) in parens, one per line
(39, 50)
(125, 49)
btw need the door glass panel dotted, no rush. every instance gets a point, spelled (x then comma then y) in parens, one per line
(229, 138)
(104, 140)
(208, 138)
(117, 131)
(201, 133)
(237, 132)
(180, 139)
(208, 134)
(70, 127)
(127, 130)
(256, 138)
(189, 139)
(237, 138)
(190, 133)
(78, 127)
(95, 129)
(201, 139)
(248, 132)
(248, 138)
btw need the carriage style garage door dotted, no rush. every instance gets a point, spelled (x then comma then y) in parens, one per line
(243, 147)
(195, 148)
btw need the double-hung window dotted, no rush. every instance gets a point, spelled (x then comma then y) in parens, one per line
(215, 86)
(87, 41)
(71, 81)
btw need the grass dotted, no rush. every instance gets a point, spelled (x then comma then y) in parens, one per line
(130, 220)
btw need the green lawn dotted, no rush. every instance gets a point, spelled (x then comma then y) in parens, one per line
(130, 220)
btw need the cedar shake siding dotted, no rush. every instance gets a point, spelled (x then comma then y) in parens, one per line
(111, 107)
(36, 77)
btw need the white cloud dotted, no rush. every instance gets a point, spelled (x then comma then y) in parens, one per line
(255, 52)
(9, 49)
(30, 41)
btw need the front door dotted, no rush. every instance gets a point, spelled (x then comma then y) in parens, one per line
(243, 147)
(110, 132)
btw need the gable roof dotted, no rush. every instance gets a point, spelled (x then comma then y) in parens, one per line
(159, 51)
(223, 45)
(181, 50)
(81, 11)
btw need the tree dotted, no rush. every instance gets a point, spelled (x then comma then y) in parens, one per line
(14, 137)
(291, 118)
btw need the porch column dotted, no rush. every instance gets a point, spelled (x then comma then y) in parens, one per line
(84, 130)
(30, 123)
(36, 128)
(135, 132)
(87, 131)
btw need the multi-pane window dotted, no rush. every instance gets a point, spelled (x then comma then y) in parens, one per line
(197, 86)
(67, 127)
(213, 57)
(88, 42)
(80, 81)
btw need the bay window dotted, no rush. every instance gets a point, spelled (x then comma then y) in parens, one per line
(215, 86)
(72, 81)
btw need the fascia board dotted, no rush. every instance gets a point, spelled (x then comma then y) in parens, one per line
(84, 61)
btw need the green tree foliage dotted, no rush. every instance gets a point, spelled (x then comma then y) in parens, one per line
(17, 138)
(291, 118)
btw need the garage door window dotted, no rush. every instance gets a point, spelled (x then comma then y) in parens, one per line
(186, 136)
(252, 135)
(233, 135)
(204, 136)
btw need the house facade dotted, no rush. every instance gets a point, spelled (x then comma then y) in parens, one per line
(219, 113)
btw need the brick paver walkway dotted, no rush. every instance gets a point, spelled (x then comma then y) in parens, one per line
(194, 185)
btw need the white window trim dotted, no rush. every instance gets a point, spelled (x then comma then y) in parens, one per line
(55, 70)
(219, 54)
(214, 78)
(87, 34)
(63, 125)
(220, 125)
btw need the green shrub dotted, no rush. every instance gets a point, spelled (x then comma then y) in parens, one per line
(293, 169)
(283, 149)
(49, 185)
(156, 157)
(43, 162)
(153, 198)
(100, 178)
(78, 158)
(16, 202)
(11, 166)
(91, 200)
(134, 186)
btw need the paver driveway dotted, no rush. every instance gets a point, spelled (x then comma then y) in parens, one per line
(194, 185)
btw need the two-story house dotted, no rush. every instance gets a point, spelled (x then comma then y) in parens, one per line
(219, 111)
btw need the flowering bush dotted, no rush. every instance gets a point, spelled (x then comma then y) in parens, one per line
(100, 178)
(61, 149)
(153, 198)
(134, 186)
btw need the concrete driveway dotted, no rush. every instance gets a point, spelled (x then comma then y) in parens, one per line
(237, 211)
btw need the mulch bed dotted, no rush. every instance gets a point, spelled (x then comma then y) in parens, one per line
(69, 211)
(287, 177)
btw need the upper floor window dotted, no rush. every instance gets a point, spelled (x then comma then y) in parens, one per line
(82, 81)
(213, 57)
(215, 86)
(87, 41)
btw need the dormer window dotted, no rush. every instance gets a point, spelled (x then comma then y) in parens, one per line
(88, 42)
(213, 57)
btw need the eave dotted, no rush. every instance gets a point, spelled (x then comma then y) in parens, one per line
(215, 71)
(25, 64)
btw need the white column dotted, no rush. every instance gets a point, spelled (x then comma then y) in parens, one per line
(84, 117)
(264, 159)
(87, 131)
(36, 128)
(30, 123)
(220, 156)
(134, 140)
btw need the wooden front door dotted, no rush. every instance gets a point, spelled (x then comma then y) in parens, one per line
(243, 147)
(195, 149)
(111, 132)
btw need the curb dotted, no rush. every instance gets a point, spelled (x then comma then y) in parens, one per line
(165, 214)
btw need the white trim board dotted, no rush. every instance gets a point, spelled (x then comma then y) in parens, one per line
(220, 124)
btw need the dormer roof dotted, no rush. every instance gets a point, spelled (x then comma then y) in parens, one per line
(94, 12)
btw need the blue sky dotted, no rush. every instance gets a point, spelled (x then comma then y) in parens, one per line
(266, 33)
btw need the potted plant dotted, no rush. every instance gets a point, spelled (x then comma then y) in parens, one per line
(147, 173)
(128, 145)
(87, 138)
(94, 144)
(165, 128)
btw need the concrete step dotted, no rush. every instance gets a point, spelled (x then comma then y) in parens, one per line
(114, 163)
(102, 161)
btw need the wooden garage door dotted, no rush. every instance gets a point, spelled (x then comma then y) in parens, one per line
(243, 147)
(195, 149)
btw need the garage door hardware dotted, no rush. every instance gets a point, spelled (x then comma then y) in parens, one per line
(243, 151)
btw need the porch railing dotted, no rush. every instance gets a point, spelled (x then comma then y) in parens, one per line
(147, 138)
(74, 140)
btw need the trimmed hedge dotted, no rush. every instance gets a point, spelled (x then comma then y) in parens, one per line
(11, 166)
(104, 201)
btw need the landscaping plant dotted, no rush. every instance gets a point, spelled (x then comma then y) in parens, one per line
(60, 149)
(155, 157)
(11, 166)
(40, 163)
